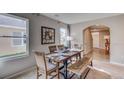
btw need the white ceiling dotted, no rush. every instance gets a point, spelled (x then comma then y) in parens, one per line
(72, 18)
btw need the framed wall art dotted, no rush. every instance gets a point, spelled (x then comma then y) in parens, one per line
(47, 35)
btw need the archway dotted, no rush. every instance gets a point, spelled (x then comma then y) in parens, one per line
(96, 40)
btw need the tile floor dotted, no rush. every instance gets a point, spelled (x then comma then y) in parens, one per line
(100, 61)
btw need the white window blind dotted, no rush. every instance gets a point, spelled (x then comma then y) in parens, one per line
(14, 41)
(63, 36)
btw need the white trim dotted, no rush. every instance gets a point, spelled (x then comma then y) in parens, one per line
(15, 27)
(14, 57)
(20, 72)
(14, 16)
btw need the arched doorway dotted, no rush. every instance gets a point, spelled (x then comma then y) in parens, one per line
(96, 40)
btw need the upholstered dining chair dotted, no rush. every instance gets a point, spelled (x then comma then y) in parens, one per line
(76, 46)
(60, 47)
(52, 49)
(43, 66)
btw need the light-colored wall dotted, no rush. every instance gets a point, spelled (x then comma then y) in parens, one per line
(116, 26)
(102, 40)
(98, 39)
(35, 23)
(95, 36)
(88, 41)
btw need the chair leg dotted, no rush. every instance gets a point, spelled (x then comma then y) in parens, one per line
(46, 77)
(80, 76)
(91, 63)
(86, 74)
(37, 73)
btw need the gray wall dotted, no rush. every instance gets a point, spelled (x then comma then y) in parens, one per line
(116, 25)
(35, 23)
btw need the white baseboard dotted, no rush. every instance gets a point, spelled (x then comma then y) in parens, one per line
(19, 73)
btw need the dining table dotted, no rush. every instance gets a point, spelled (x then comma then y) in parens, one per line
(63, 57)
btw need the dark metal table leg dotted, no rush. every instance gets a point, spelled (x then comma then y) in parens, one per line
(58, 70)
(66, 71)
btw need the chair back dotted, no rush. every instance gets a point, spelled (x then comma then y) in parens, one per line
(61, 47)
(40, 60)
(86, 62)
(77, 46)
(89, 55)
(52, 49)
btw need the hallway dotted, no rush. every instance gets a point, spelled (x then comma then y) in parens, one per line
(99, 55)
(102, 62)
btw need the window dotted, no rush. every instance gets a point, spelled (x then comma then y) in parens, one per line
(63, 37)
(14, 41)
(19, 40)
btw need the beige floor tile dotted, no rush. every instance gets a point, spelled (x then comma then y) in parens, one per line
(100, 61)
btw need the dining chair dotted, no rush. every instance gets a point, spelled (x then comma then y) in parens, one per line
(76, 46)
(95, 73)
(60, 47)
(89, 55)
(77, 57)
(79, 67)
(52, 49)
(43, 66)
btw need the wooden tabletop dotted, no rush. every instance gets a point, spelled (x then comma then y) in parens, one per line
(61, 56)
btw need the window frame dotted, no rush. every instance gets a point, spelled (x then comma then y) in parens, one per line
(26, 54)
(66, 36)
